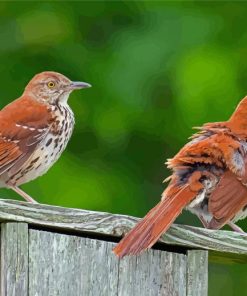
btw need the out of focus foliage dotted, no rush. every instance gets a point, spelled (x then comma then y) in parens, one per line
(157, 69)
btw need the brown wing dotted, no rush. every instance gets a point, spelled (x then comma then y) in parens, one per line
(228, 198)
(23, 125)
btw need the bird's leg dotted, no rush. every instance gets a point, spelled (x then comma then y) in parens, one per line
(22, 193)
(236, 228)
(204, 222)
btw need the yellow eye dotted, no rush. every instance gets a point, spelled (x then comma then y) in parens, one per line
(51, 84)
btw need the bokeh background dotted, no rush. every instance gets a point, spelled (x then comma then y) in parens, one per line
(157, 69)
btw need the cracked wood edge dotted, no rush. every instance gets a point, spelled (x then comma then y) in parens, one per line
(226, 245)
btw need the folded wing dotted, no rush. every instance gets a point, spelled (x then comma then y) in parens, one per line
(21, 130)
(227, 199)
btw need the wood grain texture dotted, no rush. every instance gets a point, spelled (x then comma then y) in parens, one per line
(228, 245)
(14, 259)
(153, 273)
(197, 273)
(69, 265)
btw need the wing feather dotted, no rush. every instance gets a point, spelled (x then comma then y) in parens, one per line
(23, 126)
(227, 199)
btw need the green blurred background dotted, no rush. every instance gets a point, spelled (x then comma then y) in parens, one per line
(157, 69)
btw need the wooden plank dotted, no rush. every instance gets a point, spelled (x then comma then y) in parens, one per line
(14, 259)
(228, 242)
(197, 273)
(153, 273)
(70, 265)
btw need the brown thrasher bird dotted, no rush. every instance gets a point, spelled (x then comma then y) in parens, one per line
(209, 178)
(35, 129)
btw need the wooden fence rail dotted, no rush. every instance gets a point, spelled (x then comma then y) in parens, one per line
(50, 251)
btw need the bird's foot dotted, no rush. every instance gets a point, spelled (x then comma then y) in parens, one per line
(236, 228)
(23, 194)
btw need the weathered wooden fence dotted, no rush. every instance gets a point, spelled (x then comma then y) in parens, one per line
(51, 251)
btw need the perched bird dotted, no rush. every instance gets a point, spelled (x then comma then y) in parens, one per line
(209, 178)
(35, 129)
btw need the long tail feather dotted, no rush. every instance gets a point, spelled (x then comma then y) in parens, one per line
(156, 222)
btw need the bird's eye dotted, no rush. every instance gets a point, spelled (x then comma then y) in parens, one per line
(51, 84)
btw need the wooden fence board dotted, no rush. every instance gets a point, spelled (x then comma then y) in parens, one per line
(64, 265)
(197, 273)
(69, 265)
(14, 259)
(54, 251)
(153, 273)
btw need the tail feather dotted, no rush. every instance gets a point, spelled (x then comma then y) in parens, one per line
(156, 222)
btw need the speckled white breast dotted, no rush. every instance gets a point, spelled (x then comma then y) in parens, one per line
(50, 149)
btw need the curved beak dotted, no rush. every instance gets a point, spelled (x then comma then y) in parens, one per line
(79, 85)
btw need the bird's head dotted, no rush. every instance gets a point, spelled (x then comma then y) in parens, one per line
(52, 87)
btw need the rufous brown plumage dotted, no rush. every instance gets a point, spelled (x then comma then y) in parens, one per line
(35, 129)
(209, 178)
